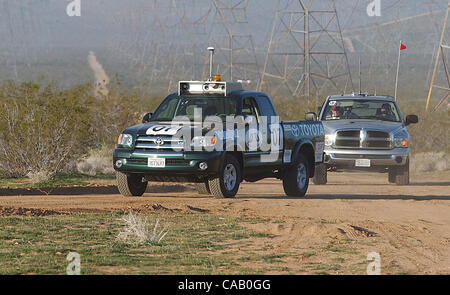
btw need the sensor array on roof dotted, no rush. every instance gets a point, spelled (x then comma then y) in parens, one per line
(208, 87)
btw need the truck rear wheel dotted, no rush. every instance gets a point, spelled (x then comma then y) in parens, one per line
(296, 180)
(320, 174)
(131, 185)
(203, 188)
(402, 174)
(227, 184)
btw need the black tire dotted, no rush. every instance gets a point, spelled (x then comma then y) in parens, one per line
(131, 185)
(402, 174)
(392, 175)
(223, 188)
(296, 185)
(203, 188)
(320, 174)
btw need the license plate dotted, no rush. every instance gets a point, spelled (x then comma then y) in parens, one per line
(362, 163)
(156, 163)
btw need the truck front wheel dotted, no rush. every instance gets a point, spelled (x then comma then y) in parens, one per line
(296, 180)
(226, 185)
(320, 174)
(402, 174)
(131, 185)
(392, 175)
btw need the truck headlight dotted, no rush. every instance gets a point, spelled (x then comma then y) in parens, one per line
(401, 142)
(329, 139)
(125, 140)
(203, 141)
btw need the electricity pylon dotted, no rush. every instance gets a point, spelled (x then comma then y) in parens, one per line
(235, 51)
(306, 51)
(443, 46)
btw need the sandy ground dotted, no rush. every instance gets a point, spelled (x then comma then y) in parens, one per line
(353, 215)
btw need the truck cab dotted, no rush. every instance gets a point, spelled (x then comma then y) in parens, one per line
(365, 132)
(216, 135)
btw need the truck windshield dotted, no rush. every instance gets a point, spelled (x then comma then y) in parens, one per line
(345, 109)
(177, 106)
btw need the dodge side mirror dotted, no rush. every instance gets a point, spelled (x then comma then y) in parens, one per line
(147, 118)
(411, 119)
(311, 116)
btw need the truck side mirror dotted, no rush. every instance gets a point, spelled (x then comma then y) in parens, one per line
(411, 119)
(147, 118)
(311, 116)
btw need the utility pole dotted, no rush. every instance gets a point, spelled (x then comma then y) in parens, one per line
(306, 51)
(441, 53)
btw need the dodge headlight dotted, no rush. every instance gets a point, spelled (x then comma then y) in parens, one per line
(125, 140)
(203, 141)
(400, 142)
(329, 139)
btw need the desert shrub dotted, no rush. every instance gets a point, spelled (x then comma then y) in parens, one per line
(430, 161)
(113, 112)
(45, 130)
(137, 230)
(432, 132)
(98, 161)
(42, 128)
(294, 108)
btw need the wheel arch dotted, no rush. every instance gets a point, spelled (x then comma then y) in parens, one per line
(306, 147)
(239, 157)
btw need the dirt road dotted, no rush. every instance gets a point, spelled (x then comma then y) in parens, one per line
(355, 214)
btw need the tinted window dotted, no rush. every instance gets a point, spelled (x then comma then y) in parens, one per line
(185, 106)
(265, 106)
(249, 107)
(345, 109)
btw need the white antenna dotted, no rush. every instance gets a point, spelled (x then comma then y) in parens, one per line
(360, 88)
(211, 56)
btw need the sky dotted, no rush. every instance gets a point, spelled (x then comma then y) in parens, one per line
(40, 38)
(45, 23)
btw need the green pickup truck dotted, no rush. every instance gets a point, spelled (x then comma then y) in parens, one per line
(216, 135)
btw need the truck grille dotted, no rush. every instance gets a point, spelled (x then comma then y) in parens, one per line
(363, 139)
(160, 143)
(371, 157)
(169, 162)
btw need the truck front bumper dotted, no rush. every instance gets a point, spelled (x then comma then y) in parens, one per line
(180, 166)
(346, 158)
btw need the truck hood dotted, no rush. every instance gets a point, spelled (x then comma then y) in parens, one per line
(159, 129)
(332, 126)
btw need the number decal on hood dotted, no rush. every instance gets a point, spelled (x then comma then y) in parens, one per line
(163, 130)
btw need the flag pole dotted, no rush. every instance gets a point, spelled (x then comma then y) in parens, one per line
(398, 68)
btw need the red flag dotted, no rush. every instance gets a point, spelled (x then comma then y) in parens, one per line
(402, 46)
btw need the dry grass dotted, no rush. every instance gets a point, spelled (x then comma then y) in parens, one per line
(39, 177)
(137, 230)
(98, 161)
(430, 161)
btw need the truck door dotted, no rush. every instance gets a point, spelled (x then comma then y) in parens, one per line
(273, 134)
(252, 141)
